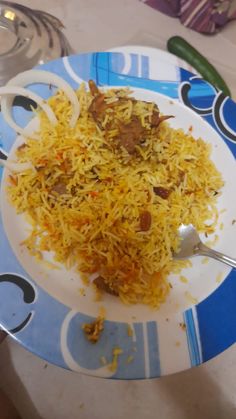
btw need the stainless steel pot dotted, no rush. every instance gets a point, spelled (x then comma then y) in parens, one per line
(28, 37)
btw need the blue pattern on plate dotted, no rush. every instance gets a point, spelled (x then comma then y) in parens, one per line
(210, 326)
(217, 319)
(194, 345)
(153, 350)
(144, 67)
(47, 313)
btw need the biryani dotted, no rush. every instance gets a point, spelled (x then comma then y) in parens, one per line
(108, 195)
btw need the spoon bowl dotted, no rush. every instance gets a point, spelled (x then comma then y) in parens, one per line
(191, 245)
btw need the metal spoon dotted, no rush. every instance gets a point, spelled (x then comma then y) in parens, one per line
(191, 245)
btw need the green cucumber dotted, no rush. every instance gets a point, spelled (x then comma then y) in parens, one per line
(178, 46)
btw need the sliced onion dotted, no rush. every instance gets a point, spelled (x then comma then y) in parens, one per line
(16, 167)
(6, 110)
(46, 77)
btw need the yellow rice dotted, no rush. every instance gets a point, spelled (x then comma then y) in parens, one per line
(95, 225)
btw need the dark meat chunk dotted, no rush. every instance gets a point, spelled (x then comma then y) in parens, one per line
(103, 286)
(165, 117)
(22, 146)
(93, 88)
(131, 134)
(145, 220)
(60, 188)
(128, 143)
(98, 105)
(162, 192)
(156, 119)
(134, 127)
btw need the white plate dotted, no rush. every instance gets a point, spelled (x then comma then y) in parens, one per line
(48, 320)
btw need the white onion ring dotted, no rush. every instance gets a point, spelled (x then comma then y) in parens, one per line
(16, 167)
(6, 110)
(46, 77)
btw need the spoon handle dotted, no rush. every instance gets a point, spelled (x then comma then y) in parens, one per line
(206, 251)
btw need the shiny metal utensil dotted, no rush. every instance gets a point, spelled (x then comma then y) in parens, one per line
(27, 38)
(191, 245)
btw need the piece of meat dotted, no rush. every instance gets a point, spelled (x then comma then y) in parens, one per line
(22, 146)
(162, 192)
(103, 286)
(134, 126)
(60, 188)
(97, 106)
(93, 88)
(145, 220)
(156, 119)
(164, 117)
(131, 134)
(128, 142)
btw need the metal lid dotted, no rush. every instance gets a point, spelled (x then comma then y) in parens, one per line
(28, 37)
